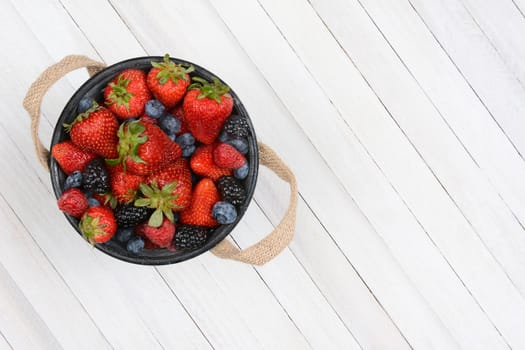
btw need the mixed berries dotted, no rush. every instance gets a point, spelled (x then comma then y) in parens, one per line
(157, 162)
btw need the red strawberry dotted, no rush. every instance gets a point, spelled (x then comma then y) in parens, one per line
(178, 111)
(161, 236)
(98, 224)
(95, 131)
(73, 202)
(202, 164)
(144, 148)
(70, 157)
(206, 108)
(168, 81)
(205, 195)
(178, 171)
(127, 94)
(124, 185)
(147, 243)
(227, 156)
(147, 119)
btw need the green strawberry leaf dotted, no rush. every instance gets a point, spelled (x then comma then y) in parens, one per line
(142, 202)
(156, 218)
(169, 214)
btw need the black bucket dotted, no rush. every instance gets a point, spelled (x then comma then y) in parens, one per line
(93, 88)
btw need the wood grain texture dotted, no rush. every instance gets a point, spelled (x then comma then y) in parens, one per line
(403, 122)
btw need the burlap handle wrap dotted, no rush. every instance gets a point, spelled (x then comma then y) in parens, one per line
(259, 253)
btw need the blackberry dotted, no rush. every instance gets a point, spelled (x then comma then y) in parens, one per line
(128, 215)
(189, 237)
(236, 127)
(231, 190)
(96, 177)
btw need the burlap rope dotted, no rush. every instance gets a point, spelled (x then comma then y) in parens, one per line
(259, 253)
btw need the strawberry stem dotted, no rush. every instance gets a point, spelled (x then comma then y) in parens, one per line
(119, 93)
(210, 90)
(170, 70)
(94, 107)
(162, 200)
(130, 138)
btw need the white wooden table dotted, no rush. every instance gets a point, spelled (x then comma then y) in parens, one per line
(404, 122)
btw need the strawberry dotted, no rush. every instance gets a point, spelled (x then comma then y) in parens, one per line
(98, 224)
(178, 171)
(202, 163)
(206, 107)
(124, 185)
(178, 111)
(161, 236)
(139, 231)
(168, 81)
(147, 119)
(205, 195)
(227, 156)
(144, 148)
(70, 157)
(95, 131)
(127, 94)
(73, 202)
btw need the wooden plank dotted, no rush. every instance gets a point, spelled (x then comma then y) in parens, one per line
(480, 62)
(330, 270)
(260, 47)
(296, 292)
(474, 56)
(520, 6)
(4, 345)
(503, 24)
(19, 323)
(456, 103)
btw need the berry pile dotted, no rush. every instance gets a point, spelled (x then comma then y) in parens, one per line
(157, 162)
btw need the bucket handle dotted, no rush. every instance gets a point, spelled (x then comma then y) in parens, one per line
(35, 94)
(259, 253)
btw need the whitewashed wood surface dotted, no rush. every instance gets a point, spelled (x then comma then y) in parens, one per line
(404, 122)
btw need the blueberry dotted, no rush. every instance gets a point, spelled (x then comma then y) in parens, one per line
(223, 136)
(172, 137)
(188, 151)
(124, 234)
(176, 216)
(135, 245)
(169, 124)
(154, 109)
(224, 212)
(73, 180)
(92, 202)
(242, 172)
(240, 144)
(186, 139)
(84, 104)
